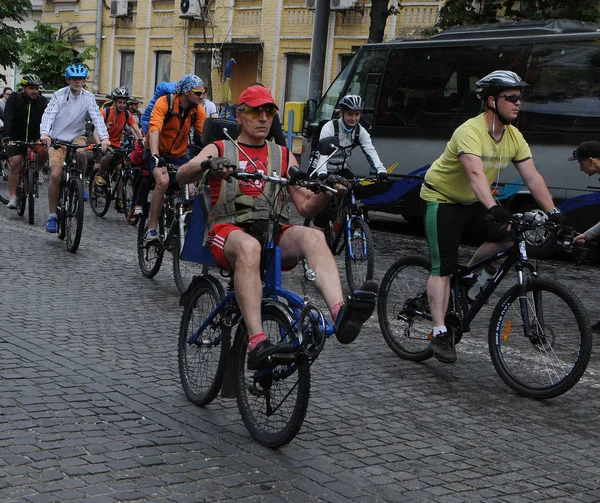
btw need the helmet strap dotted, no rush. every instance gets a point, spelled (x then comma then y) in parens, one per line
(494, 109)
(347, 128)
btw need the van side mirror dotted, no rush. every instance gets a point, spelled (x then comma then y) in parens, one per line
(213, 127)
(310, 111)
(328, 145)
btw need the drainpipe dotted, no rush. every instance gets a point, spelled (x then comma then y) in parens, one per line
(98, 45)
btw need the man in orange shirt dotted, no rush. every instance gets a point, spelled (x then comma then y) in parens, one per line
(168, 136)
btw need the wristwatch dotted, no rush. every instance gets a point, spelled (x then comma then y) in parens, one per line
(554, 211)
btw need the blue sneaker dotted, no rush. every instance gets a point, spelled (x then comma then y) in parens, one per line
(86, 197)
(152, 236)
(52, 225)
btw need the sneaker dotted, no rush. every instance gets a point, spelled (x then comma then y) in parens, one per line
(99, 180)
(355, 312)
(119, 206)
(86, 197)
(443, 348)
(259, 356)
(596, 327)
(138, 211)
(52, 225)
(12, 203)
(152, 236)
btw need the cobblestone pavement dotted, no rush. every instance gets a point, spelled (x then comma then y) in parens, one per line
(91, 408)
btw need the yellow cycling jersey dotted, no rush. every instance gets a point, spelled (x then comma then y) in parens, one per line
(446, 180)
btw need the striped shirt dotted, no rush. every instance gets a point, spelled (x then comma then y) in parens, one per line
(65, 115)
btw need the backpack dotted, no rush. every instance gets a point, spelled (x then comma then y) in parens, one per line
(162, 89)
(106, 112)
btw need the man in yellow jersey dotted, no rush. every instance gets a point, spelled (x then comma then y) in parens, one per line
(457, 192)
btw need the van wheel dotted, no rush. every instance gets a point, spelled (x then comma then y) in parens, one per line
(541, 242)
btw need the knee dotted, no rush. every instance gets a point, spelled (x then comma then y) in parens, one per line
(162, 182)
(56, 175)
(248, 253)
(315, 240)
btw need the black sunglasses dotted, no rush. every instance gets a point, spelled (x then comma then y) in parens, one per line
(512, 98)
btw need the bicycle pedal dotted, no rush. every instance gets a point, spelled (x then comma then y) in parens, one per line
(281, 359)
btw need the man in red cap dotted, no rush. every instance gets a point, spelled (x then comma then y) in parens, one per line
(239, 216)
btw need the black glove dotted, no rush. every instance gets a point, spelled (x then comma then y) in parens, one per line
(382, 176)
(499, 214)
(158, 161)
(331, 180)
(557, 218)
(216, 166)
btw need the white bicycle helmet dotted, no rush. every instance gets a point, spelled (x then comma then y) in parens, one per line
(498, 81)
(351, 102)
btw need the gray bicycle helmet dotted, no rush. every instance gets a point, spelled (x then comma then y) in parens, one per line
(76, 71)
(351, 102)
(30, 79)
(498, 81)
(120, 92)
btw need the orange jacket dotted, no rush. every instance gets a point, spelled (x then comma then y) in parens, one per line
(174, 132)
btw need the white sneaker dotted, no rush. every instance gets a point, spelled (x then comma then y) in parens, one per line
(12, 203)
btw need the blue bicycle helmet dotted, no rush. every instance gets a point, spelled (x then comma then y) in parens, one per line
(76, 71)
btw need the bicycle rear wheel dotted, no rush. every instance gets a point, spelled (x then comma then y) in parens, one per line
(128, 195)
(271, 401)
(360, 254)
(100, 196)
(31, 192)
(4, 190)
(553, 355)
(403, 309)
(150, 256)
(202, 364)
(74, 214)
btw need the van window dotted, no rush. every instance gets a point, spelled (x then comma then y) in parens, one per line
(565, 89)
(332, 96)
(366, 79)
(434, 87)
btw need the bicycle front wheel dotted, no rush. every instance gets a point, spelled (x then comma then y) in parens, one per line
(360, 254)
(100, 196)
(74, 214)
(403, 309)
(4, 190)
(31, 192)
(21, 193)
(540, 343)
(202, 364)
(128, 194)
(271, 401)
(150, 255)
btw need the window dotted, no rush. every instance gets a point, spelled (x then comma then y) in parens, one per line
(366, 79)
(436, 89)
(202, 67)
(565, 88)
(163, 66)
(126, 73)
(296, 81)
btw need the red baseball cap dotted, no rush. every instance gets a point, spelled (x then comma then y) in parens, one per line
(256, 96)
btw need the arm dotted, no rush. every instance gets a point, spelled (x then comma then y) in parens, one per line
(48, 118)
(155, 125)
(192, 170)
(97, 119)
(479, 183)
(326, 130)
(306, 202)
(9, 115)
(136, 131)
(200, 117)
(591, 233)
(536, 184)
(366, 145)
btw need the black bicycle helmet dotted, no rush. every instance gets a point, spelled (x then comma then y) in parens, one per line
(494, 83)
(120, 92)
(133, 101)
(76, 71)
(30, 79)
(351, 102)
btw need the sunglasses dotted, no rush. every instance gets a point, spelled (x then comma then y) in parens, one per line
(258, 111)
(512, 98)
(200, 93)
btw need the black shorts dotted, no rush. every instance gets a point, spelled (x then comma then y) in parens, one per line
(444, 224)
(12, 150)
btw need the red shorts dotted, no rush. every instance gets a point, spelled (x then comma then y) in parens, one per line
(217, 236)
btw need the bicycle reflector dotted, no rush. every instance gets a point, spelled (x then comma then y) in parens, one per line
(507, 329)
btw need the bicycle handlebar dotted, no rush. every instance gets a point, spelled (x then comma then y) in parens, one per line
(315, 186)
(56, 144)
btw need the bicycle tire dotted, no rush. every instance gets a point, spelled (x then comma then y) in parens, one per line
(4, 190)
(559, 347)
(150, 257)
(128, 198)
(31, 191)
(74, 214)
(202, 366)
(183, 271)
(360, 254)
(60, 211)
(99, 195)
(404, 287)
(255, 389)
(21, 193)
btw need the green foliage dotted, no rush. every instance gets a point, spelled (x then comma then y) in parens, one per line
(47, 56)
(11, 37)
(466, 12)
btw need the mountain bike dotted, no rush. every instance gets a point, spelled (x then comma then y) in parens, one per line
(539, 337)
(4, 189)
(172, 227)
(27, 190)
(350, 233)
(70, 208)
(119, 184)
(273, 400)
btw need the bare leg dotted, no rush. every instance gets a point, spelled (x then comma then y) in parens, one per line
(438, 295)
(487, 249)
(158, 196)
(54, 186)
(14, 170)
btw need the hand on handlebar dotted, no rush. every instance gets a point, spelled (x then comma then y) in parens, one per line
(218, 167)
(499, 214)
(580, 239)
(46, 140)
(382, 175)
(104, 145)
(557, 218)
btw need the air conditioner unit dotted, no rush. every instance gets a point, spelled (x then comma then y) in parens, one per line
(341, 4)
(311, 4)
(190, 8)
(119, 8)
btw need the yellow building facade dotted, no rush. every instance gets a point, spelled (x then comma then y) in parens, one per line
(146, 41)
